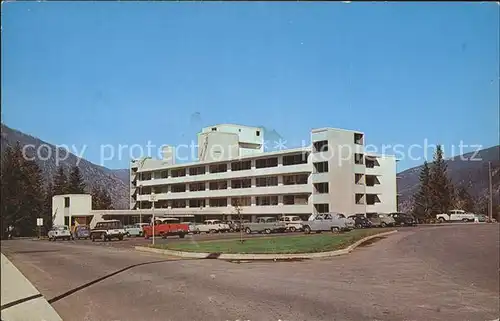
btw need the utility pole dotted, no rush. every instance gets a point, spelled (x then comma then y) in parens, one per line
(490, 203)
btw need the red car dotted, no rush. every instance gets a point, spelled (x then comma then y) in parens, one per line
(166, 226)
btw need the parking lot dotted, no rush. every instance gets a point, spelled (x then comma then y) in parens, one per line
(423, 273)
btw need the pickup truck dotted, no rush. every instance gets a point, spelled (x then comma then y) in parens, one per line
(324, 222)
(267, 225)
(211, 226)
(166, 226)
(455, 215)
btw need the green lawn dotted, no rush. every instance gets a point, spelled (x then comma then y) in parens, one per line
(325, 241)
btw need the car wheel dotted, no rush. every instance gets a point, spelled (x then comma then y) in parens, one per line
(383, 224)
(120, 237)
(267, 231)
(92, 238)
(335, 229)
(357, 226)
(465, 220)
(307, 229)
(231, 230)
(140, 234)
(248, 230)
(182, 235)
(293, 229)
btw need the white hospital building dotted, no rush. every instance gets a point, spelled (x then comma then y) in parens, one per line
(333, 174)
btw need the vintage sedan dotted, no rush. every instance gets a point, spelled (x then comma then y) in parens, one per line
(59, 232)
(81, 232)
(324, 222)
(133, 230)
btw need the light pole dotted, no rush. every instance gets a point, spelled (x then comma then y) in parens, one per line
(152, 198)
(140, 203)
(490, 203)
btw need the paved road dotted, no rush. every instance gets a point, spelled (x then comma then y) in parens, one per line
(441, 273)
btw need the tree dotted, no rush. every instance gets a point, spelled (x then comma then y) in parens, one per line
(422, 199)
(463, 200)
(440, 186)
(101, 200)
(11, 187)
(22, 192)
(238, 210)
(76, 184)
(60, 182)
(47, 217)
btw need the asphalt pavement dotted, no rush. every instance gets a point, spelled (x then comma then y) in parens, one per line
(434, 273)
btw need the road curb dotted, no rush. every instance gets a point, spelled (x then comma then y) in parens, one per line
(199, 255)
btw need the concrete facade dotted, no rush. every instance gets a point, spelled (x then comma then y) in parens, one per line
(70, 206)
(333, 174)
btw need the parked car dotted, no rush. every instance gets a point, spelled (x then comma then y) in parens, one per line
(324, 222)
(349, 223)
(81, 232)
(455, 215)
(58, 232)
(380, 220)
(235, 226)
(133, 230)
(360, 221)
(107, 230)
(212, 226)
(403, 219)
(482, 218)
(293, 223)
(267, 225)
(166, 226)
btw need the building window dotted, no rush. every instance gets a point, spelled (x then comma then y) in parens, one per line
(218, 168)
(266, 162)
(178, 172)
(360, 198)
(66, 202)
(164, 174)
(218, 202)
(161, 189)
(241, 201)
(358, 179)
(178, 188)
(371, 180)
(321, 188)
(358, 138)
(321, 167)
(371, 162)
(266, 200)
(218, 185)
(371, 199)
(288, 200)
(322, 208)
(145, 176)
(295, 179)
(214, 129)
(178, 203)
(194, 187)
(240, 166)
(200, 170)
(358, 159)
(241, 183)
(295, 159)
(200, 202)
(266, 181)
(257, 133)
(320, 146)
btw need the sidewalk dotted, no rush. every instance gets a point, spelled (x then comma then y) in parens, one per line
(20, 300)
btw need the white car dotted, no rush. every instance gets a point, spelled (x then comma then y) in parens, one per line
(59, 232)
(456, 215)
(293, 223)
(211, 226)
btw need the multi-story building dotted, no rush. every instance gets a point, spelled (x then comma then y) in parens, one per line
(234, 175)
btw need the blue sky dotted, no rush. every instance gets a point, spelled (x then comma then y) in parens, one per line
(127, 72)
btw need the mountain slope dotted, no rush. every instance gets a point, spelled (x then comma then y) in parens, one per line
(469, 170)
(115, 181)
